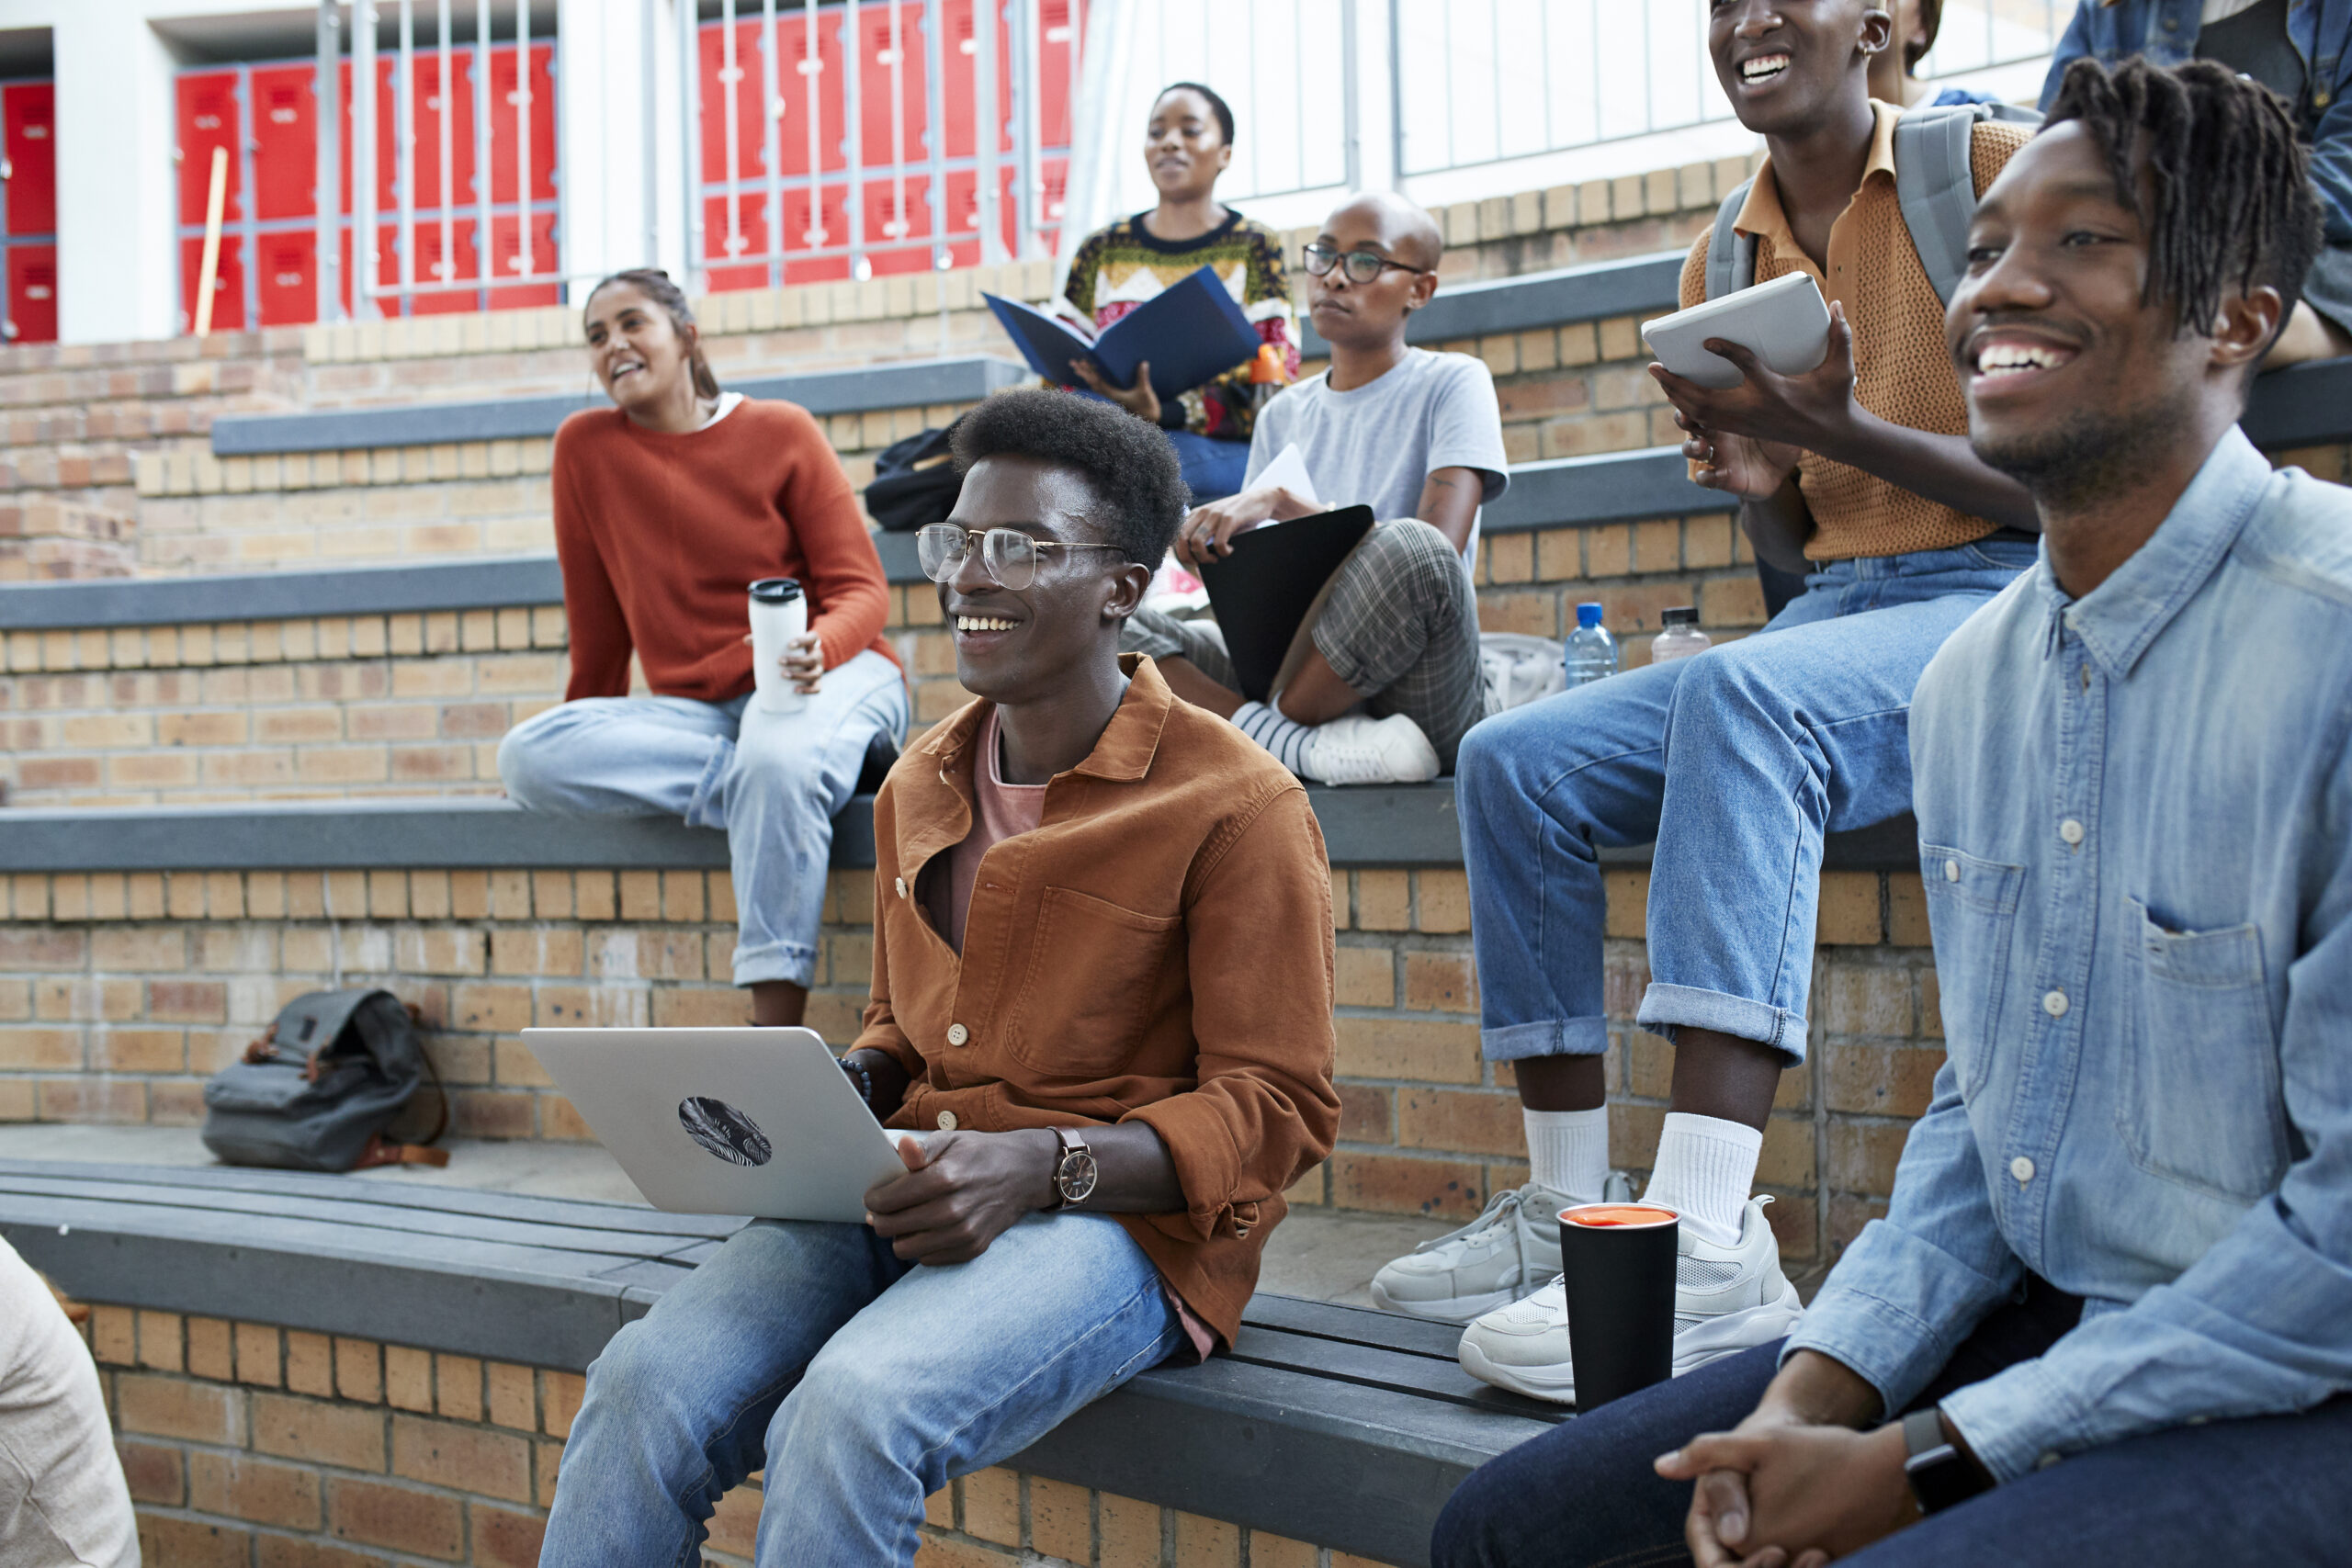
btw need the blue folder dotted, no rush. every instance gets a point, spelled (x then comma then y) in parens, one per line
(1190, 332)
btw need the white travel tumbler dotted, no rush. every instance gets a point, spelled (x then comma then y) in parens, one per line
(779, 615)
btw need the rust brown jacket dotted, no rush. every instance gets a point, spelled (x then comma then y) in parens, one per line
(1159, 950)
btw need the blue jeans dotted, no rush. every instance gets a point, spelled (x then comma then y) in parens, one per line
(861, 1385)
(1736, 764)
(1212, 469)
(775, 782)
(1583, 1494)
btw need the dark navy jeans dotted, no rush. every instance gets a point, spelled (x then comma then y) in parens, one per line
(2265, 1491)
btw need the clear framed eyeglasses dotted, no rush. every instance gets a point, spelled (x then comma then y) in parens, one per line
(1008, 555)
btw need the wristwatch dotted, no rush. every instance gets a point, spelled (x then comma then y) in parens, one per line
(1939, 1473)
(1074, 1171)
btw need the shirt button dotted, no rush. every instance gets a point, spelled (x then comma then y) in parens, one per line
(902, 884)
(2022, 1168)
(947, 1121)
(1951, 871)
(2071, 831)
(957, 1035)
(2054, 1003)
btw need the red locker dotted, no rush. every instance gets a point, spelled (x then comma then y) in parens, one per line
(32, 294)
(433, 266)
(1053, 70)
(207, 118)
(228, 286)
(889, 226)
(387, 124)
(751, 240)
(874, 106)
(28, 132)
(805, 76)
(510, 263)
(958, 83)
(287, 281)
(427, 110)
(832, 230)
(750, 150)
(286, 144)
(387, 267)
(506, 97)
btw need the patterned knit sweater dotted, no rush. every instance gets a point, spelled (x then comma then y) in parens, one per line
(1121, 268)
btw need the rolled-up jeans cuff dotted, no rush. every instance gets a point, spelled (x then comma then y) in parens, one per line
(1666, 1008)
(788, 961)
(1552, 1037)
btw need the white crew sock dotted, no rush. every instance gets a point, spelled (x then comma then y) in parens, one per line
(1568, 1151)
(1278, 735)
(1704, 1169)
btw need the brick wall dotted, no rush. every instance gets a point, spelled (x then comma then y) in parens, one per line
(416, 704)
(75, 419)
(119, 994)
(246, 1444)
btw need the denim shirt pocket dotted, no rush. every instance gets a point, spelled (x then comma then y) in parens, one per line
(1096, 971)
(1971, 913)
(2200, 1101)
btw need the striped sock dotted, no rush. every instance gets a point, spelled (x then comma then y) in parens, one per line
(1278, 735)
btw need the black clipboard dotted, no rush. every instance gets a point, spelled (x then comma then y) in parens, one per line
(1268, 591)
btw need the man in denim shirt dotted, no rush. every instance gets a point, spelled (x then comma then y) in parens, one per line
(2302, 50)
(2112, 1294)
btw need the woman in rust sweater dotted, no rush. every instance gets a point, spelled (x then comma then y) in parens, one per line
(668, 506)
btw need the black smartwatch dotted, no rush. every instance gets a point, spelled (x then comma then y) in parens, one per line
(1939, 1473)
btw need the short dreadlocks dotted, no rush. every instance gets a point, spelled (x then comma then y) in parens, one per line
(2232, 207)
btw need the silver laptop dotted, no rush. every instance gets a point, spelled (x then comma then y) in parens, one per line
(759, 1121)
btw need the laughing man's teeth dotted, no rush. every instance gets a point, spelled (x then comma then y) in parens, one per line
(1762, 66)
(2010, 359)
(983, 624)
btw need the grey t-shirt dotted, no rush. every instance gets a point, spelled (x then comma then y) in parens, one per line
(1377, 444)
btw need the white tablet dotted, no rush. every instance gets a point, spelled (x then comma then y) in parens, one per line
(1783, 322)
(759, 1121)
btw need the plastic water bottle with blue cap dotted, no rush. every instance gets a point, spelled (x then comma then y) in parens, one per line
(1592, 652)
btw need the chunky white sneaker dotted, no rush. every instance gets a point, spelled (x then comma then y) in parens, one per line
(1498, 1257)
(1725, 1299)
(1360, 750)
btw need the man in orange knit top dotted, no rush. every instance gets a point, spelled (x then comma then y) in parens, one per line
(668, 507)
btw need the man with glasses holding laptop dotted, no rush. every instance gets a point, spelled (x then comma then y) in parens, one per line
(1417, 436)
(1102, 1000)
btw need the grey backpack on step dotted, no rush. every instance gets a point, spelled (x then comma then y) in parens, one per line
(1935, 180)
(317, 1090)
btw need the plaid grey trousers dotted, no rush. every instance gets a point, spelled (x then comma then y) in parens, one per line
(1400, 628)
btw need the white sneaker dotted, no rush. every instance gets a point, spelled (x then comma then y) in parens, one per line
(1725, 1299)
(1360, 750)
(1498, 1257)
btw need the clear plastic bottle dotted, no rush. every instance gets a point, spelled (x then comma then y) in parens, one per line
(1592, 652)
(1681, 637)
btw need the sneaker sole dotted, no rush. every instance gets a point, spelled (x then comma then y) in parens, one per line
(1693, 1348)
(1446, 1309)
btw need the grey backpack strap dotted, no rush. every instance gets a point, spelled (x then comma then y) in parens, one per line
(1935, 180)
(1731, 255)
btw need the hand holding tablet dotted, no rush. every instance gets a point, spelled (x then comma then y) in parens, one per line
(1784, 323)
